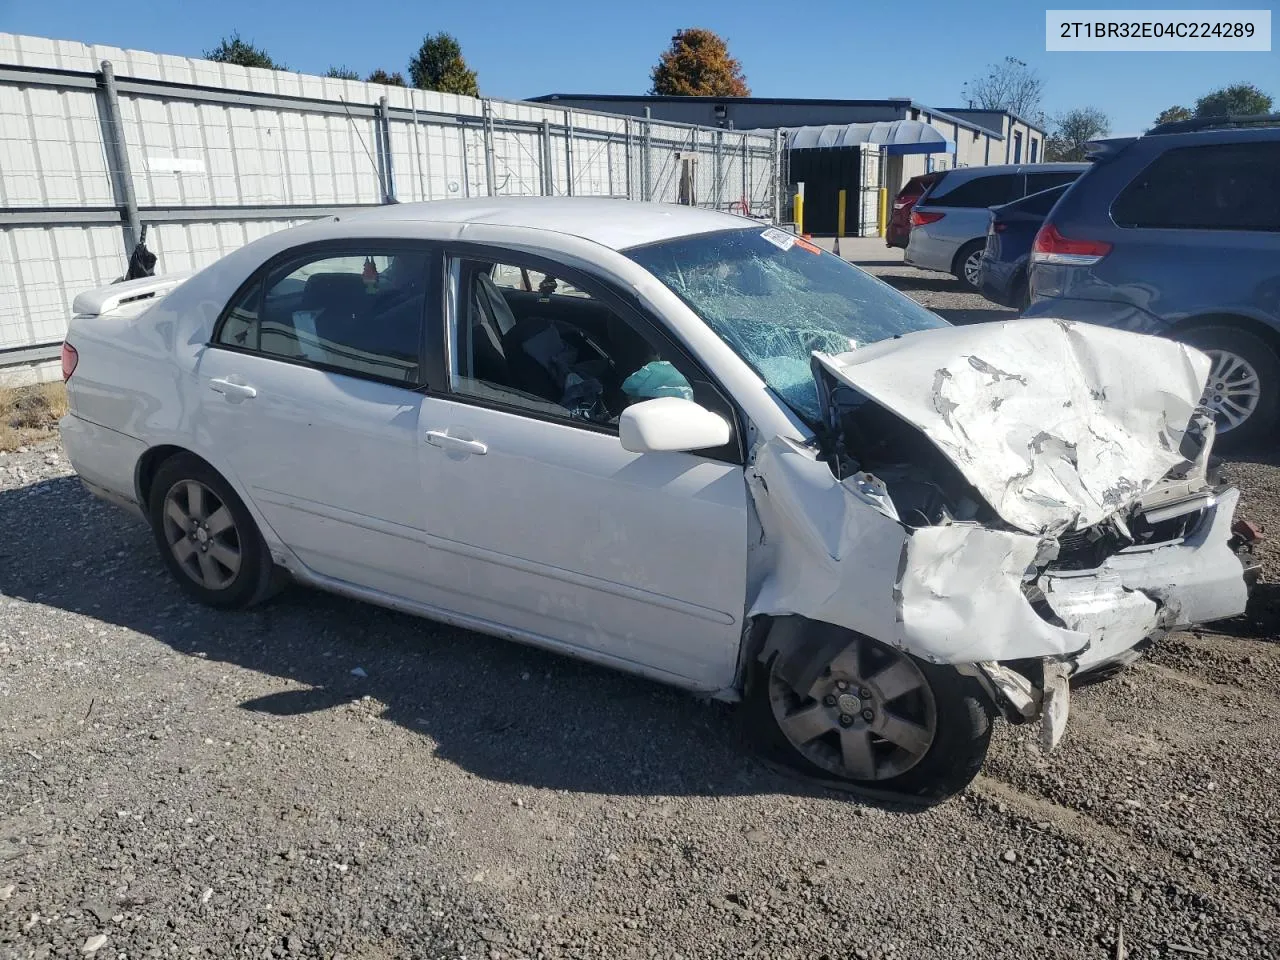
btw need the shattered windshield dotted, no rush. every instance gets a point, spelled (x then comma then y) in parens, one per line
(775, 299)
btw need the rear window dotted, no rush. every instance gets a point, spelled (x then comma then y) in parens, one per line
(1232, 186)
(1040, 203)
(986, 191)
(1043, 181)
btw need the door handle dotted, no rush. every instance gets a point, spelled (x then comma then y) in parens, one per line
(439, 438)
(233, 391)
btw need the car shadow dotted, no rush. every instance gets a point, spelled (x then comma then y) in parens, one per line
(500, 710)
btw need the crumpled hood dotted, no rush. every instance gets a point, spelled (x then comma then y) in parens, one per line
(1056, 424)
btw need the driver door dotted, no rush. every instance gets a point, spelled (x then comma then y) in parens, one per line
(538, 519)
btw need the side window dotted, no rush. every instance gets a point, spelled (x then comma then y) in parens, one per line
(1043, 181)
(551, 351)
(357, 312)
(979, 191)
(1229, 186)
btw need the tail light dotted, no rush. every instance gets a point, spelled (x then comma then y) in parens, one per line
(919, 219)
(1050, 246)
(69, 360)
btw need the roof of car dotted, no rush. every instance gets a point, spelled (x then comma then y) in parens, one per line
(618, 224)
(1006, 168)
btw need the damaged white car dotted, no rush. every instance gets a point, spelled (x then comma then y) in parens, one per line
(674, 442)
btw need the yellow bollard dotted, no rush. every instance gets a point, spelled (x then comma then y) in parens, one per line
(799, 205)
(840, 215)
(884, 210)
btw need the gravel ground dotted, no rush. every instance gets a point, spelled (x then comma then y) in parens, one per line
(320, 778)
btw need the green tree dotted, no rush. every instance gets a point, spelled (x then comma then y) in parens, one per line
(342, 73)
(390, 79)
(438, 65)
(1237, 100)
(1174, 114)
(1072, 130)
(242, 53)
(698, 64)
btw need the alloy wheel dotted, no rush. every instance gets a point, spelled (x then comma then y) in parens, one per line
(1232, 392)
(869, 716)
(973, 268)
(202, 535)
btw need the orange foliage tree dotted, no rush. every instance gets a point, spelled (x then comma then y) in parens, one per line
(698, 64)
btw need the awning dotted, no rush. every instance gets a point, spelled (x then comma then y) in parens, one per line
(895, 136)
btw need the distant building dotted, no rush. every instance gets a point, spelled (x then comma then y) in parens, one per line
(967, 137)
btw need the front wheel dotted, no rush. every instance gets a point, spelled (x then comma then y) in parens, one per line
(873, 718)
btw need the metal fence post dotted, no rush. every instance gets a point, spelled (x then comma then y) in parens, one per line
(630, 172)
(746, 179)
(490, 175)
(778, 185)
(717, 191)
(568, 152)
(548, 173)
(646, 156)
(382, 136)
(118, 156)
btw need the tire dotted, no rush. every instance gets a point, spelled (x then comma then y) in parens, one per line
(224, 563)
(951, 706)
(1243, 357)
(965, 266)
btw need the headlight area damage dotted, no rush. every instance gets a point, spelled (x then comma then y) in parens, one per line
(1027, 501)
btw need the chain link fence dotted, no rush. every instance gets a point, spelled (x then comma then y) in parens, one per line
(97, 142)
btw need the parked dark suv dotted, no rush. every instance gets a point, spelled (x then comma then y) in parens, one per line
(1177, 233)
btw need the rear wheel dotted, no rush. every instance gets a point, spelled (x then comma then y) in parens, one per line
(875, 719)
(1243, 390)
(206, 535)
(968, 263)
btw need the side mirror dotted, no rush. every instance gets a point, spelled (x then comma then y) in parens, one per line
(670, 424)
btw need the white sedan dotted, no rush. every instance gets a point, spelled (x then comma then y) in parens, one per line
(675, 442)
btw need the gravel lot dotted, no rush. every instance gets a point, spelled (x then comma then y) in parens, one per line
(320, 778)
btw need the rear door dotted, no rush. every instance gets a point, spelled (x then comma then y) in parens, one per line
(312, 388)
(540, 521)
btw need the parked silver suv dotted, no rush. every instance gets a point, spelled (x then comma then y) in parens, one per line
(949, 222)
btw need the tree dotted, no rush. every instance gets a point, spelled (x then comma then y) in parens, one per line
(1174, 114)
(342, 73)
(1239, 99)
(1072, 130)
(242, 53)
(1008, 85)
(438, 65)
(698, 64)
(390, 79)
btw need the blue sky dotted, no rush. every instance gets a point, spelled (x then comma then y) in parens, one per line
(848, 48)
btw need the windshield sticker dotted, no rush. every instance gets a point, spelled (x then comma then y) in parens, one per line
(806, 245)
(779, 238)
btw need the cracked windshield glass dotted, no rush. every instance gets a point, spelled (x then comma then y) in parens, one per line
(775, 299)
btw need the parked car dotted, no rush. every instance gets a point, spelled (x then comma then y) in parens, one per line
(898, 230)
(949, 222)
(1178, 233)
(675, 442)
(1002, 272)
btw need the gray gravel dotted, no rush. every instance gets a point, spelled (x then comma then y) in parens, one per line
(320, 778)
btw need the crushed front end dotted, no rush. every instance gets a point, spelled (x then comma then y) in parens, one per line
(984, 509)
